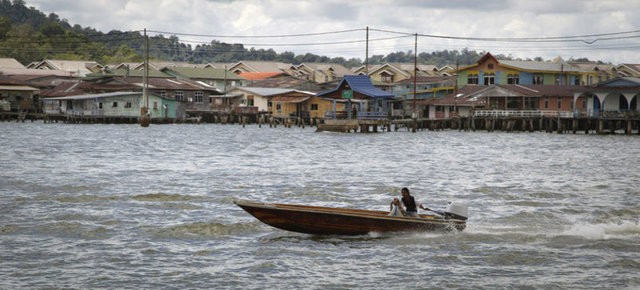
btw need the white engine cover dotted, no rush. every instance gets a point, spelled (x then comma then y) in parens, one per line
(458, 208)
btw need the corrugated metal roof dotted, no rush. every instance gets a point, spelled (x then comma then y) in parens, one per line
(10, 63)
(95, 96)
(259, 75)
(290, 99)
(203, 73)
(541, 65)
(261, 66)
(122, 72)
(17, 88)
(519, 90)
(265, 92)
(34, 72)
(363, 85)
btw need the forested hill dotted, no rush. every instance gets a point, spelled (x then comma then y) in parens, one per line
(28, 35)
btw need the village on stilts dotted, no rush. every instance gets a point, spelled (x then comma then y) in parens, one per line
(489, 95)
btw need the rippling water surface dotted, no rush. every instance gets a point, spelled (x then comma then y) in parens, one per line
(120, 206)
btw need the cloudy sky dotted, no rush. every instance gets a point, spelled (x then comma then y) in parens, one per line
(608, 30)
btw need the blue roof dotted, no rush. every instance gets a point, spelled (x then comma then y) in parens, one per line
(361, 84)
(620, 82)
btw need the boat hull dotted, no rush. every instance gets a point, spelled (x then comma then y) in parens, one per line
(342, 221)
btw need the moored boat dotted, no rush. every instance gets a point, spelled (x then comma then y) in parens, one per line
(320, 220)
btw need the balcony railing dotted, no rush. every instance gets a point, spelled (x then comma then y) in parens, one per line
(522, 113)
(246, 110)
(360, 115)
(372, 115)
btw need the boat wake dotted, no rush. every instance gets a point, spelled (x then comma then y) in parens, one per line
(605, 231)
(624, 230)
(205, 230)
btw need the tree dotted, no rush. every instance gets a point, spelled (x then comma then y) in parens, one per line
(22, 43)
(123, 54)
(29, 35)
(5, 27)
(52, 29)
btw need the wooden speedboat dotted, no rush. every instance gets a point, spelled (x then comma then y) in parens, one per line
(344, 221)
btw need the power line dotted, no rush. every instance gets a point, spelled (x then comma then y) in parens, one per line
(573, 38)
(339, 42)
(312, 44)
(260, 36)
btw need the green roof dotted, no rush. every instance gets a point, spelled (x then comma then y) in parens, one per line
(130, 73)
(202, 73)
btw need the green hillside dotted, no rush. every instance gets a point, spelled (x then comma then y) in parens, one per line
(28, 35)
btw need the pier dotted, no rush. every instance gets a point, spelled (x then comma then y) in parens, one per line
(531, 121)
(482, 120)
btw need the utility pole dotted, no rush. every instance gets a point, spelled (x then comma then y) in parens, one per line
(145, 119)
(414, 115)
(366, 56)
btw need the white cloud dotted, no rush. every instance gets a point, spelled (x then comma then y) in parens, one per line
(503, 18)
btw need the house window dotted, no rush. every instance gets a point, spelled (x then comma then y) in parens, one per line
(269, 104)
(489, 79)
(559, 80)
(199, 96)
(490, 66)
(100, 105)
(559, 103)
(513, 79)
(546, 102)
(250, 101)
(386, 77)
(127, 105)
(155, 105)
(179, 96)
(114, 105)
(163, 94)
(314, 107)
(278, 107)
(472, 79)
(538, 80)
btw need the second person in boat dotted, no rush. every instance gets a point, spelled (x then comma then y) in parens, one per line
(409, 203)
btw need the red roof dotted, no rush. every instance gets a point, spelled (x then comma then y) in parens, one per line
(252, 76)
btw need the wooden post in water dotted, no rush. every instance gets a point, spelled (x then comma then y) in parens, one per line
(473, 123)
(600, 126)
(531, 128)
(560, 126)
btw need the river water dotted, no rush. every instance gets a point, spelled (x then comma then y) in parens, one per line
(121, 206)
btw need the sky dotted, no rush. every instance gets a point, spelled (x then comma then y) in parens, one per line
(607, 30)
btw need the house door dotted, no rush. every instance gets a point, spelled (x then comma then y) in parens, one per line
(596, 107)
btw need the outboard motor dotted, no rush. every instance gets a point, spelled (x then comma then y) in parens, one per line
(457, 210)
